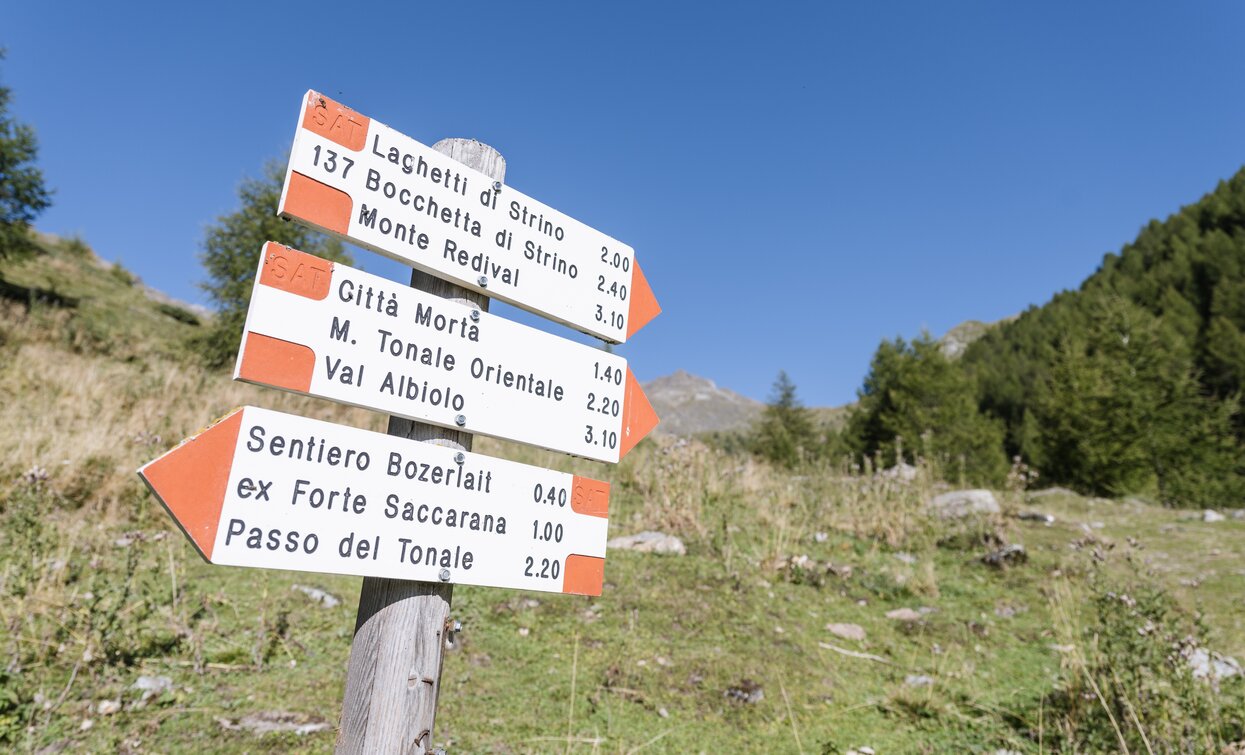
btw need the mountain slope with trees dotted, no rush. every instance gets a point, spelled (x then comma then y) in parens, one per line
(1131, 383)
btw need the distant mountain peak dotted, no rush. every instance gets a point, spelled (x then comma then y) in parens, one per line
(689, 404)
(958, 338)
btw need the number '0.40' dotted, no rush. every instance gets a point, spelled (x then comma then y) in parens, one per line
(552, 496)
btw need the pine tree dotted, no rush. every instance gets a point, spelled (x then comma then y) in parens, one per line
(231, 249)
(22, 193)
(1122, 412)
(915, 401)
(786, 433)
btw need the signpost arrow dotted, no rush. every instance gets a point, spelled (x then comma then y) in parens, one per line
(328, 330)
(271, 490)
(364, 182)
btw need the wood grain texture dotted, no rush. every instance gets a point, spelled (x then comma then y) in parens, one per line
(394, 676)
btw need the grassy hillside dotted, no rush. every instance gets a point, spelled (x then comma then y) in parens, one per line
(724, 649)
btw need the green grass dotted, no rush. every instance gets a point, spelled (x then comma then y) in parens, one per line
(88, 607)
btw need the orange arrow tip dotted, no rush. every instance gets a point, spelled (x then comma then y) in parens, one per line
(644, 306)
(190, 480)
(639, 419)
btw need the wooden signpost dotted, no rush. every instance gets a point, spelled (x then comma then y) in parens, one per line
(359, 180)
(414, 511)
(331, 331)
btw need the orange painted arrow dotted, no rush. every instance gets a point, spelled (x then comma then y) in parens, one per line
(644, 306)
(638, 418)
(190, 480)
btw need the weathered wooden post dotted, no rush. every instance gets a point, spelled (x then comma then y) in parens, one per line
(394, 677)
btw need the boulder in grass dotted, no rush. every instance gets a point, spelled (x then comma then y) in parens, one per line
(649, 542)
(962, 503)
(1211, 666)
(847, 631)
(1009, 555)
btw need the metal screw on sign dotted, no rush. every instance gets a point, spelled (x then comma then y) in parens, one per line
(475, 315)
(497, 186)
(461, 420)
(483, 281)
(460, 457)
(445, 575)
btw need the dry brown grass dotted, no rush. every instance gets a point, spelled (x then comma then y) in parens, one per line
(74, 414)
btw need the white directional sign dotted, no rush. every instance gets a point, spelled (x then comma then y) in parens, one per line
(265, 489)
(362, 181)
(331, 331)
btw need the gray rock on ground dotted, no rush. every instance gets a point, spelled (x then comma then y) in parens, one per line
(901, 472)
(152, 686)
(847, 631)
(1037, 494)
(1210, 515)
(905, 614)
(962, 503)
(268, 722)
(1009, 555)
(1207, 664)
(323, 597)
(649, 542)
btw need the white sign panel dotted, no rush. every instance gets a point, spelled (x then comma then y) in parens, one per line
(362, 181)
(331, 331)
(270, 490)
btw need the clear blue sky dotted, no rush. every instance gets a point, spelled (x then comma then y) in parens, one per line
(799, 181)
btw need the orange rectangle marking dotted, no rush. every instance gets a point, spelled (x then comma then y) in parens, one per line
(583, 575)
(297, 272)
(335, 121)
(590, 497)
(317, 203)
(278, 363)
